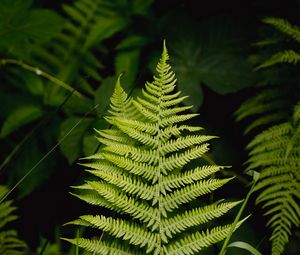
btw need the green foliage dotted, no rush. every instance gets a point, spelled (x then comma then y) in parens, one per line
(20, 25)
(285, 56)
(144, 176)
(10, 244)
(70, 50)
(212, 52)
(274, 151)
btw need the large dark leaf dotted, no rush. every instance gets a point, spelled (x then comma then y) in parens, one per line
(212, 52)
(71, 147)
(20, 25)
(127, 58)
(103, 94)
(22, 115)
(28, 157)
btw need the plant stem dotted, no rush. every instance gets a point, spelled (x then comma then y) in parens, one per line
(238, 216)
(39, 72)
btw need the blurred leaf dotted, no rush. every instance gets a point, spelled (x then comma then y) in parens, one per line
(212, 52)
(245, 246)
(103, 94)
(76, 105)
(19, 25)
(103, 29)
(131, 42)
(22, 115)
(225, 73)
(127, 58)
(90, 142)
(30, 155)
(34, 83)
(43, 24)
(11, 101)
(141, 7)
(72, 144)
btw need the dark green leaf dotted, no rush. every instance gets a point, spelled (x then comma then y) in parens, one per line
(103, 29)
(20, 116)
(72, 144)
(225, 73)
(27, 159)
(141, 7)
(127, 58)
(103, 94)
(19, 25)
(90, 143)
(212, 52)
(34, 83)
(43, 24)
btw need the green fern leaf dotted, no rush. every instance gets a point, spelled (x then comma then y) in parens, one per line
(287, 56)
(284, 26)
(10, 244)
(143, 173)
(276, 151)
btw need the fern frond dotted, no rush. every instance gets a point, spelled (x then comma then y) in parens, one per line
(129, 184)
(174, 181)
(193, 243)
(284, 26)
(178, 160)
(103, 248)
(130, 151)
(120, 102)
(132, 232)
(137, 168)
(286, 56)
(189, 193)
(134, 124)
(195, 217)
(9, 241)
(113, 135)
(184, 142)
(176, 119)
(276, 152)
(142, 171)
(268, 107)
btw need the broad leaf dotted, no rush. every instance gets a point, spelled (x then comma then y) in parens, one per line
(73, 141)
(26, 160)
(103, 94)
(127, 58)
(103, 29)
(19, 25)
(211, 52)
(22, 115)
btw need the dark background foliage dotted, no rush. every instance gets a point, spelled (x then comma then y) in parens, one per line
(211, 44)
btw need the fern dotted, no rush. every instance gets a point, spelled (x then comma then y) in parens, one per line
(10, 244)
(284, 26)
(274, 151)
(271, 105)
(71, 54)
(145, 178)
(277, 152)
(286, 56)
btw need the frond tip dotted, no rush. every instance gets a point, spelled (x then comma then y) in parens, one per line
(144, 174)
